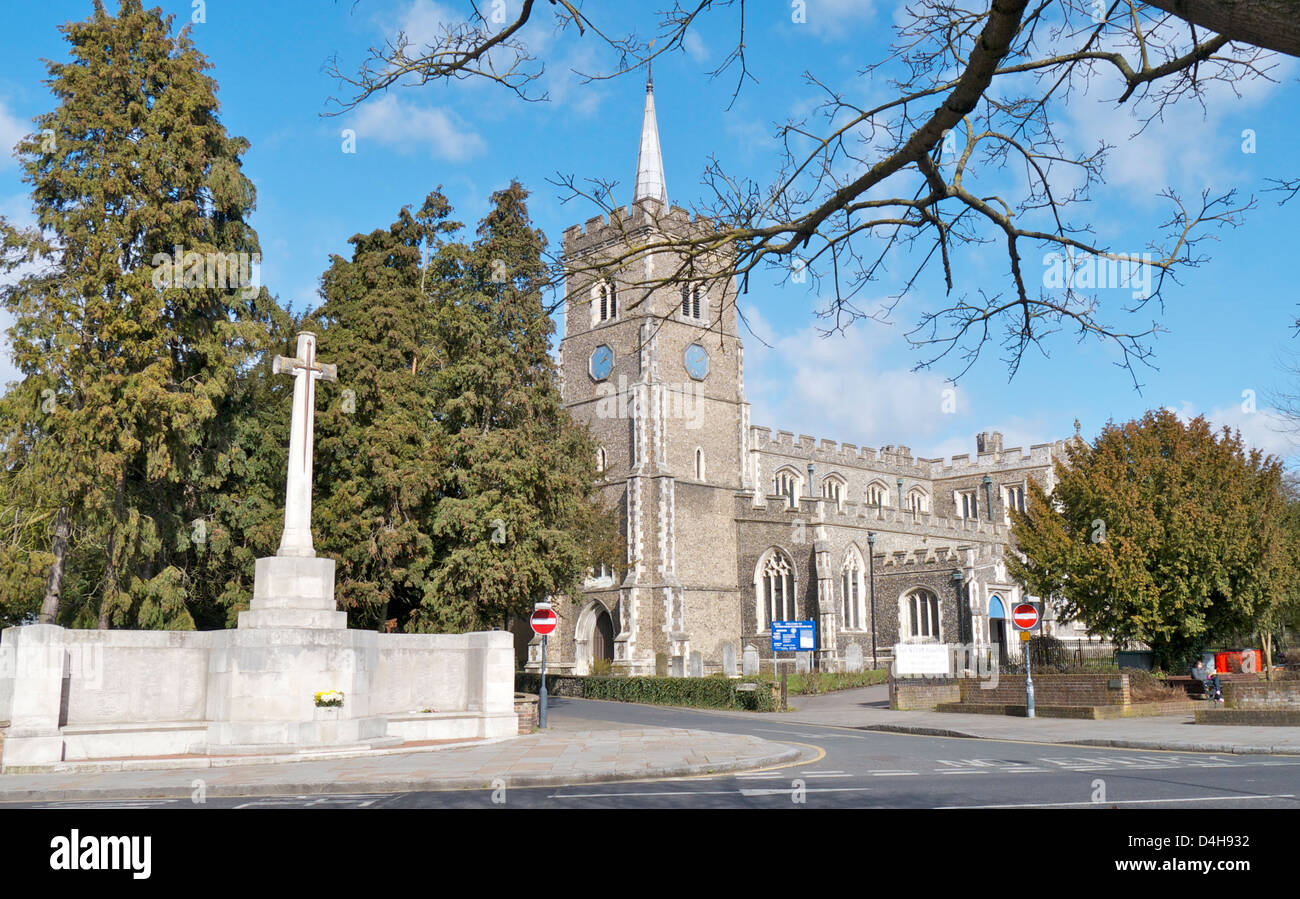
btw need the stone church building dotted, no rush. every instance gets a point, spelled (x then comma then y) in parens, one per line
(731, 525)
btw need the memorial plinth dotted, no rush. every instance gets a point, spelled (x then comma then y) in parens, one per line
(71, 695)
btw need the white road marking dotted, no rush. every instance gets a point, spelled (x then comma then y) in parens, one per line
(125, 803)
(1131, 801)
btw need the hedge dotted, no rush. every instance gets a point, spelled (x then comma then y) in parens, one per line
(696, 692)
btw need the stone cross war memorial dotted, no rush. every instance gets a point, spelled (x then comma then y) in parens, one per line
(76, 695)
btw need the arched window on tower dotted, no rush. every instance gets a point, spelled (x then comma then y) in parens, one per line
(917, 501)
(774, 589)
(692, 294)
(600, 460)
(699, 464)
(604, 301)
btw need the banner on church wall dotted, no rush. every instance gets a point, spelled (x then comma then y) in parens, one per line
(921, 659)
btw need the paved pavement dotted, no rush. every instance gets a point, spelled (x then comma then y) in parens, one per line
(558, 756)
(868, 709)
(580, 750)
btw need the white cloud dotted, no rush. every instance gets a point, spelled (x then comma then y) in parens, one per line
(695, 48)
(835, 18)
(1263, 428)
(424, 22)
(12, 130)
(829, 387)
(1188, 147)
(17, 209)
(410, 127)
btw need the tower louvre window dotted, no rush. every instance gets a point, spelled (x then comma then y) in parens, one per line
(691, 294)
(607, 301)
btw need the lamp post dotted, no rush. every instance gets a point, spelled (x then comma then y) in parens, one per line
(871, 576)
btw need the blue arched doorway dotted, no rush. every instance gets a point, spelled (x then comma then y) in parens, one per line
(998, 628)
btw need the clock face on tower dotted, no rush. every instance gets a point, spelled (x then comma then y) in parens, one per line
(602, 362)
(697, 362)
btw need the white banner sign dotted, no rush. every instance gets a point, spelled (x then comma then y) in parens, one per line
(919, 659)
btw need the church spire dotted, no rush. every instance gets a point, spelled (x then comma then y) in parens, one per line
(649, 161)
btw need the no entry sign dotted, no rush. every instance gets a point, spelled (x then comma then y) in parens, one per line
(1024, 616)
(544, 621)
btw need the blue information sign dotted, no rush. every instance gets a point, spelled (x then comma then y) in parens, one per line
(794, 636)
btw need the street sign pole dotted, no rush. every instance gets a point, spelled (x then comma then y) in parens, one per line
(1026, 617)
(543, 621)
(1029, 681)
(541, 702)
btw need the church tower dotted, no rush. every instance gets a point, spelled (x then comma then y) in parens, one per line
(651, 361)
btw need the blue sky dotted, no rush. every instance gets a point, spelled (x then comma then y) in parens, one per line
(1227, 328)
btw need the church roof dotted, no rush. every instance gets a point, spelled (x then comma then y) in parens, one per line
(649, 161)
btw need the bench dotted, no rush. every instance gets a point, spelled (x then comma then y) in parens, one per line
(1196, 687)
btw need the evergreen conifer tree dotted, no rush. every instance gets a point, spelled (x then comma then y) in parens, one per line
(135, 320)
(452, 486)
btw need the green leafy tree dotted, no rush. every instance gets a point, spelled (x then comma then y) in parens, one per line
(452, 485)
(1161, 532)
(118, 430)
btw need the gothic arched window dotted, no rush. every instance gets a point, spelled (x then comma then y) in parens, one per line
(788, 485)
(699, 464)
(774, 586)
(917, 501)
(920, 617)
(833, 489)
(877, 495)
(851, 591)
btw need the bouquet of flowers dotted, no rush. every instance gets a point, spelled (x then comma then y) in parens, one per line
(329, 698)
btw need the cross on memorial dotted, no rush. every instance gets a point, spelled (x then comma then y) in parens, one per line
(296, 540)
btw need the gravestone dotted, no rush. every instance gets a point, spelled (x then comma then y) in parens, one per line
(853, 658)
(677, 667)
(697, 664)
(728, 660)
(801, 662)
(749, 661)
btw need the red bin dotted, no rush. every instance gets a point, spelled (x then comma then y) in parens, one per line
(1225, 662)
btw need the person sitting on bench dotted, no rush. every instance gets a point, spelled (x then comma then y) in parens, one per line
(1209, 681)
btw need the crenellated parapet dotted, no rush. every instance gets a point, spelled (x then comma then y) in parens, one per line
(625, 222)
(895, 459)
(820, 511)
